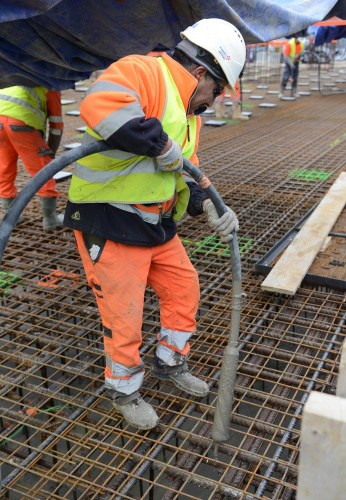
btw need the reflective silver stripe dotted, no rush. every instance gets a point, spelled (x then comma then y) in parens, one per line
(55, 119)
(36, 98)
(111, 123)
(144, 165)
(174, 338)
(149, 217)
(24, 104)
(114, 121)
(107, 86)
(128, 386)
(119, 370)
(55, 131)
(177, 340)
(167, 355)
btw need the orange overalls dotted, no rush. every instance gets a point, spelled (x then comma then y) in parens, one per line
(20, 139)
(119, 273)
(118, 280)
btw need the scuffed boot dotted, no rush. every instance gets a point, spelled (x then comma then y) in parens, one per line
(180, 376)
(6, 203)
(51, 219)
(135, 410)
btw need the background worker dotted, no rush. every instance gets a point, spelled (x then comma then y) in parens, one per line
(237, 113)
(124, 203)
(292, 52)
(220, 106)
(24, 112)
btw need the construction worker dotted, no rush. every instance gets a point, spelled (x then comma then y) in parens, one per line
(220, 105)
(237, 113)
(24, 112)
(292, 52)
(124, 203)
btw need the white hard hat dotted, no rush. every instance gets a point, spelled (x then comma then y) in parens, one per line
(223, 41)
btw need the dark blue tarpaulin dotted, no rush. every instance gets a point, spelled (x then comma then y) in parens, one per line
(326, 34)
(58, 42)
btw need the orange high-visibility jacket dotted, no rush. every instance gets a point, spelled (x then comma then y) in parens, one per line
(293, 49)
(140, 91)
(138, 102)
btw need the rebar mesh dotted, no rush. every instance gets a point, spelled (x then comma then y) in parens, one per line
(60, 437)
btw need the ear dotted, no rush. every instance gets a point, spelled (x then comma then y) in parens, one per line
(199, 72)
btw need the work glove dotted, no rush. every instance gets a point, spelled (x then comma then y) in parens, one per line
(172, 160)
(223, 225)
(289, 61)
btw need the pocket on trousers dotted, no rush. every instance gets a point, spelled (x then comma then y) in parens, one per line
(21, 128)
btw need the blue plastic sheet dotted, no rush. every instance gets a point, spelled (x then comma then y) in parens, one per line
(58, 42)
(326, 34)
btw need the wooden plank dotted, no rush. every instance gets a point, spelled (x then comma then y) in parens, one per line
(341, 382)
(289, 271)
(323, 448)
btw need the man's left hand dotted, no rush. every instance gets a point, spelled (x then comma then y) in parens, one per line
(224, 225)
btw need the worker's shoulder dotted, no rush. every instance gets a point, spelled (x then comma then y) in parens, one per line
(138, 59)
(134, 63)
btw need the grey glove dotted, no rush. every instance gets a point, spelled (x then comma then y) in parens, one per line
(172, 160)
(223, 225)
(289, 61)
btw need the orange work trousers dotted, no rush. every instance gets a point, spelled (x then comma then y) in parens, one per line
(119, 278)
(19, 140)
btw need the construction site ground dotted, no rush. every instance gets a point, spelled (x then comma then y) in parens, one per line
(60, 436)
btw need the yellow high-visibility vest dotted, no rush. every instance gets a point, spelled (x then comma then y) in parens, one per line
(119, 177)
(27, 104)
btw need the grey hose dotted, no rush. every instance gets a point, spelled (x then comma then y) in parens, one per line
(29, 191)
(222, 416)
(231, 353)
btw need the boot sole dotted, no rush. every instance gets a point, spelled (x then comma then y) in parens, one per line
(50, 228)
(142, 427)
(180, 386)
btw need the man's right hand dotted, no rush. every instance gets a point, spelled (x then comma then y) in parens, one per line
(289, 61)
(171, 158)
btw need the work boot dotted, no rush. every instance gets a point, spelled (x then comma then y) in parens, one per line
(51, 219)
(135, 410)
(237, 113)
(180, 376)
(282, 91)
(294, 92)
(6, 203)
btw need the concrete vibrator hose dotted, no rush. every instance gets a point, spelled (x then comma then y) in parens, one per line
(221, 425)
(222, 415)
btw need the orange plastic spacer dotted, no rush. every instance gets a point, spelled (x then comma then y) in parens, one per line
(55, 277)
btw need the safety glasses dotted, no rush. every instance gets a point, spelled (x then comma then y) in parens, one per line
(217, 89)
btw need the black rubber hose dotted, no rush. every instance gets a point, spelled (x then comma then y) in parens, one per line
(29, 191)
